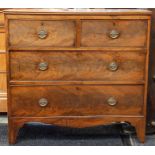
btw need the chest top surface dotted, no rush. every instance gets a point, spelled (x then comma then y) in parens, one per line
(79, 11)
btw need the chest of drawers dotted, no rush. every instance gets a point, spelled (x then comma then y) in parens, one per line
(77, 67)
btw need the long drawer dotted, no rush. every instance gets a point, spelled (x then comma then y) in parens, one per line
(77, 66)
(76, 100)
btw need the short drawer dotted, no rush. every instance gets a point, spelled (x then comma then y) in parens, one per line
(41, 33)
(77, 66)
(113, 33)
(76, 100)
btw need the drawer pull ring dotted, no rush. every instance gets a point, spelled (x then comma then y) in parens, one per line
(114, 34)
(43, 66)
(42, 34)
(43, 102)
(154, 77)
(113, 66)
(112, 101)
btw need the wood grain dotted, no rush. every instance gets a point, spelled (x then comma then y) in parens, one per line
(81, 11)
(77, 83)
(25, 33)
(3, 104)
(95, 33)
(2, 62)
(2, 41)
(15, 123)
(3, 94)
(1, 18)
(77, 66)
(76, 100)
(2, 82)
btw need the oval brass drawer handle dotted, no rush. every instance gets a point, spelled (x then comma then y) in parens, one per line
(43, 102)
(43, 66)
(154, 77)
(113, 66)
(114, 34)
(112, 101)
(42, 34)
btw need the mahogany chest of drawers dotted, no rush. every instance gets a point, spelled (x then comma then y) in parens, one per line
(77, 67)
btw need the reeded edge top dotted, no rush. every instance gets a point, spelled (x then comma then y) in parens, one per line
(78, 11)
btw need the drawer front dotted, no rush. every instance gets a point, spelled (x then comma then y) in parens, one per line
(76, 100)
(2, 62)
(41, 33)
(2, 41)
(77, 66)
(1, 19)
(114, 33)
(2, 83)
(3, 104)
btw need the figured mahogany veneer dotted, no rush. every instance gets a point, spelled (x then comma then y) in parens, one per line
(25, 33)
(93, 33)
(76, 100)
(77, 68)
(132, 33)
